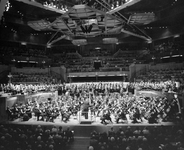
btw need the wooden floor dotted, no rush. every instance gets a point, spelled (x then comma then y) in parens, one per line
(84, 129)
(93, 121)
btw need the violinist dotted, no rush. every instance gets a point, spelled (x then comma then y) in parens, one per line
(121, 115)
(106, 116)
(9, 113)
(136, 115)
(65, 116)
(153, 116)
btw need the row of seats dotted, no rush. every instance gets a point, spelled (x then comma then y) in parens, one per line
(119, 61)
(34, 137)
(152, 138)
(20, 51)
(38, 77)
(163, 75)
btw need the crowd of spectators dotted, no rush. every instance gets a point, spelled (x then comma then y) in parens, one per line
(34, 78)
(75, 62)
(35, 137)
(163, 75)
(119, 61)
(147, 138)
(22, 51)
(15, 54)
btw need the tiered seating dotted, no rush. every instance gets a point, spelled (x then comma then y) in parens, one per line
(36, 78)
(75, 62)
(152, 138)
(163, 75)
(22, 51)
(34, 137)
(120, 61)
(14, 54)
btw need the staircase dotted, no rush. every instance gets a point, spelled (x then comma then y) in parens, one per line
(80, 143)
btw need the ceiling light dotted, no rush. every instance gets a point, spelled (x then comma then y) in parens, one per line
(177, 35)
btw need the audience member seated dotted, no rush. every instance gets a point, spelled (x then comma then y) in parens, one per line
(152, 138)
(163, 75)
(31, 138)
(36, 77)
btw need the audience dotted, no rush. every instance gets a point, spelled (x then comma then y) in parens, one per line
(18, 77)
(163, 75)
(30, 138)
(152, 138)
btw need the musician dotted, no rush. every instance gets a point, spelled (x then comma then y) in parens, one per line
(43, 114)
(9, 113)
(49, 116)
(137, 115)
(25, 117)
(54, 114)
(28, 111)
(106, 116)
(65, 116)
(121, 115)
(153, 116)
(37, 112)
(14, 112)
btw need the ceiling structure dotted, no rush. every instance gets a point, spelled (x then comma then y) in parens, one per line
(78, 20)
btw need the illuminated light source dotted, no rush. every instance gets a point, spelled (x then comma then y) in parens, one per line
(176, 56)
(177, 35)
(112, 7)
(166, 57)
(23, 43)
(48, 45)
(117, 3)
(149, 41)
(7, 7)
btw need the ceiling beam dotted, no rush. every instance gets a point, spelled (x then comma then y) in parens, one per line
(67, 27)
(49, 42)
(105, 4)
(58, 39)
(136, 35)
(105, 23)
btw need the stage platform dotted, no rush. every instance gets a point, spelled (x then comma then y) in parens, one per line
(84, 130)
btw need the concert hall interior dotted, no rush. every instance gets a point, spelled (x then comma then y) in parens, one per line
(92, 74)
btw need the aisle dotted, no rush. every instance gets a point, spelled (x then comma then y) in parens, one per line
(80, 143)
